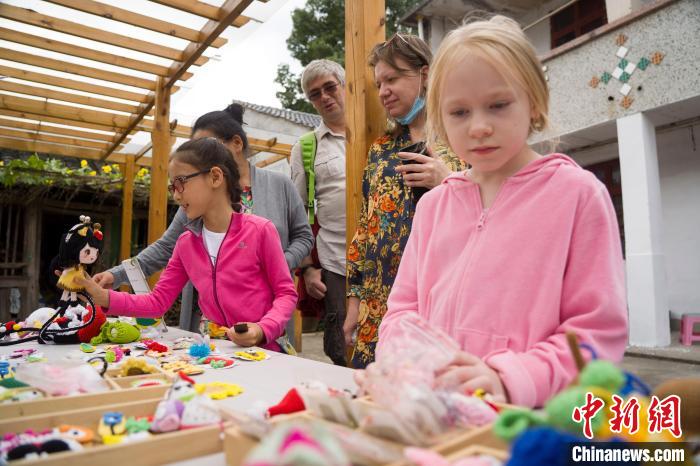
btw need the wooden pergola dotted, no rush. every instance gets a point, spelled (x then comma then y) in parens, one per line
(104, 93)
(120, 84)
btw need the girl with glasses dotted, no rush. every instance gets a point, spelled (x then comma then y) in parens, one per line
(264, 193)
(235, 261)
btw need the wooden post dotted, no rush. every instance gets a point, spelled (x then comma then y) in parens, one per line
(127, 208)
(364, 116)
(158, 202)
(32, 252)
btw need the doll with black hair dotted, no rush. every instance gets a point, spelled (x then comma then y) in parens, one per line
(79, 249)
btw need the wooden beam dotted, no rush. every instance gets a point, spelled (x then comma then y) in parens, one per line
(201, 9)
(127, 208)
(271, 160)
(65, 151)
(28, 16)
(143, 150)
(228, 12)
(65, 67)
(50, 148)
(364, 116)
(36, 77)
(43, 128)
(20, 133)
(67, 112)
(28, 115)
(273, 147)
(67, 97)
(136, 19)
(158, 202)
(85, 52)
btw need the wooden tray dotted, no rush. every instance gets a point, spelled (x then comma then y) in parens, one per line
(47, 405)
(155, 450)
(238, 444)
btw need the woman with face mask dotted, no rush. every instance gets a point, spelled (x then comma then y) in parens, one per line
(399, 171)
(265, 193)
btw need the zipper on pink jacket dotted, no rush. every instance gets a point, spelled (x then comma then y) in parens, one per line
(484, 211)
(213, 270)
(482, 220)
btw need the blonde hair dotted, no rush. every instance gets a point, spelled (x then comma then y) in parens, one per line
(502, 43)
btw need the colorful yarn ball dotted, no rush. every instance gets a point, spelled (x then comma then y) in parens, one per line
(199, 350)
(513, 422)
(560, 408)
(603, 374)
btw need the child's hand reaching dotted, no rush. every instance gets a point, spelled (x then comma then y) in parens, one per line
(99, 294)
(469, 373)
(254, 336)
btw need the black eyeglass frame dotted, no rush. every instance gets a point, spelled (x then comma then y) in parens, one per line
(182, 180)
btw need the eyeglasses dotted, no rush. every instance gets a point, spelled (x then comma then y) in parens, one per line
(178, 183)
(329, 89)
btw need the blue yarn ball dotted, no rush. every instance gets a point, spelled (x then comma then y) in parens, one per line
(547, 446)
(541, 445)
(199, 350)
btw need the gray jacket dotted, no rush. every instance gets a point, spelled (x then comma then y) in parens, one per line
(275, 198)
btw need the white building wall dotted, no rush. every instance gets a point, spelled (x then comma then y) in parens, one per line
(262, 126)
(540, 36)
(679, 172)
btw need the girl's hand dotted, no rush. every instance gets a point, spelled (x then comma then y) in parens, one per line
(427, 173)
(99, 295)
(468, 373)
(253, 337)
(104, 279)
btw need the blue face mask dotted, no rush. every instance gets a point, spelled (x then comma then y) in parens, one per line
(418, 105)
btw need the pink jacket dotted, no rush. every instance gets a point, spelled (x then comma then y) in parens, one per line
(250, 282)
(507, 282)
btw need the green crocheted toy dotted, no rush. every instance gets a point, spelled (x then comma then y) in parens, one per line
(117, 332)
(599, 374)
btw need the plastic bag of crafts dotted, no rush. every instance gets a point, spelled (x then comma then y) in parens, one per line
(406, 406)
(62, 378)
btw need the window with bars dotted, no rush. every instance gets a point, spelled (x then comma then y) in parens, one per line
(576, 20)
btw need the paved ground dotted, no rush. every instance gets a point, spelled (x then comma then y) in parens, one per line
(652, 365)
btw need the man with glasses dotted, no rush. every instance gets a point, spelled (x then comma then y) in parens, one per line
(323, 83)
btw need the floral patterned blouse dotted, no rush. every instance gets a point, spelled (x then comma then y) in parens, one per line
(247, 200)
(385, 222)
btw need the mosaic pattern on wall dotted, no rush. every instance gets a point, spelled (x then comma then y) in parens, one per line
(625, 69)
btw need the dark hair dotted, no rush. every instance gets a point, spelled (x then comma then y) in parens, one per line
(225, 124)
(75, 240)
(207, 153)
(411, 49)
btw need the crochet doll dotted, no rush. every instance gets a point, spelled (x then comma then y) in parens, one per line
(79, 249)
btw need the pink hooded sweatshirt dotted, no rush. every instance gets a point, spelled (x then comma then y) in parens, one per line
(249, 283)
(507, 282)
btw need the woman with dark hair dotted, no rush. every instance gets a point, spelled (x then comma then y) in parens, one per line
(264, 193)
(399, 171)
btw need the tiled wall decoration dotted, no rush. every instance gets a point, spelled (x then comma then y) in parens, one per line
(625, 69)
